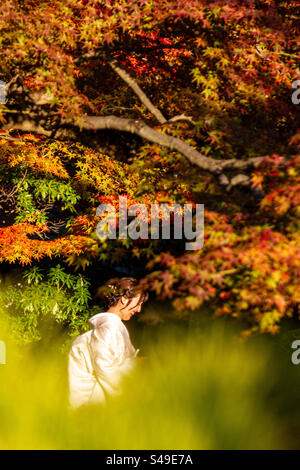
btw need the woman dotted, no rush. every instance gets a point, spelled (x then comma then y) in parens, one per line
(100, 358)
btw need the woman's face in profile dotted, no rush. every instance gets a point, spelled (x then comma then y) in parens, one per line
(133, 307)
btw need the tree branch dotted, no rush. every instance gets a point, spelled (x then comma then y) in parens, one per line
(138, 91)
(182, 117)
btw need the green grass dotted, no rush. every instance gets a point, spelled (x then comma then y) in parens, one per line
(199, 388)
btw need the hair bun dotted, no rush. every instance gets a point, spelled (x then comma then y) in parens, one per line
(112, 291)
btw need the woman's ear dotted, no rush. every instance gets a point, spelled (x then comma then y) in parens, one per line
(124, 300)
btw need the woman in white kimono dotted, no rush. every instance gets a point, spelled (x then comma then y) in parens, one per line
(100, 358)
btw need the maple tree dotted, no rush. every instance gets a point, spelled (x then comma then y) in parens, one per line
(161, 101)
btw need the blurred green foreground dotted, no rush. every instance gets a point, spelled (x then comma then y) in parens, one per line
(199, 388)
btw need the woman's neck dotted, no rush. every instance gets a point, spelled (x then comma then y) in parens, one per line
(115, 309)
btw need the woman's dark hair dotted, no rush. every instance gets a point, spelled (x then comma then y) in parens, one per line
(115, 288)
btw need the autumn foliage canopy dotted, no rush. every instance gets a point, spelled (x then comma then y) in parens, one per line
(160, 101)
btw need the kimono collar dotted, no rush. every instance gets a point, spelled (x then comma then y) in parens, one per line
(97, 319)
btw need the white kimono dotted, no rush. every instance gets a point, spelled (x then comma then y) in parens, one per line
(99, 359)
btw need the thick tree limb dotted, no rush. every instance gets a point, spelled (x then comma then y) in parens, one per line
(173, 143)
(34, 123)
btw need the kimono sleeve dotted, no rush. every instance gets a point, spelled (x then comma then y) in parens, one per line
(109, 355)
